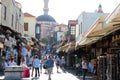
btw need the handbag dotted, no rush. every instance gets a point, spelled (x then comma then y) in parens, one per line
(44, 66)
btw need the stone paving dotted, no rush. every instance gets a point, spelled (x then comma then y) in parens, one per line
(68, 75)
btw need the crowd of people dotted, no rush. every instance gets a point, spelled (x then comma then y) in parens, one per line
(47, 62)
(37, 64)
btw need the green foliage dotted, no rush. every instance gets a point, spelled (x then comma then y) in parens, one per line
(44, 40)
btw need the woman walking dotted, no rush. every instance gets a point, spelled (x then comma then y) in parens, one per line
(84, 67)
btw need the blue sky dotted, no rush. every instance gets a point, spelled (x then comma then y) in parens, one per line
(64, 10)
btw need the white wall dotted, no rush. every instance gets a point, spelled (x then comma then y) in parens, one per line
(31, 25)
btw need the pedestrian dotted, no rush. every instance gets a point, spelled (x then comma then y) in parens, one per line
(32, 58)
(95, 67)
(63, 64)
(84, 67)
(44, 64)
(11, 62)
(24, 52)
(77, 64)
(30, 61)
(22, 61)
(50, 64)
(41, 65)
(57, 62)
(5, 64)
(36, 64)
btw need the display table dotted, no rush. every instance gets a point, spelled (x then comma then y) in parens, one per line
(13, 72)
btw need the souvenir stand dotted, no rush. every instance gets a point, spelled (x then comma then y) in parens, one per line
(112, 66)
(102, 65)
(118, 65)
(113, 59)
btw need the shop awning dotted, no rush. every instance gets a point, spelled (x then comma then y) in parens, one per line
(42, 44)
(63, 48)
(58, 45)
(71, 47)
(105, 31)
(89, 41)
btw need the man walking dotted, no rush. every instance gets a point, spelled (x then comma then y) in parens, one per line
(50, 64)
(36, 64)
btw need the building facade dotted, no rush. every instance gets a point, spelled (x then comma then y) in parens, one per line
(11, 15)
(61, 31)
(29, 25)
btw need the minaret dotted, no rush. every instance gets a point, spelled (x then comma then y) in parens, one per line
(46, 9)
(100, 9)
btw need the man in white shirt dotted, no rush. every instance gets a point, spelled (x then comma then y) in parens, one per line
(84, 67)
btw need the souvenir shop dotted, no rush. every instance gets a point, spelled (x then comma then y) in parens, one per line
(107, 51)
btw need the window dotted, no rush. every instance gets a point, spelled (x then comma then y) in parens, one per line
(12, 21)
(25, 26)
(38, 29)
(72, 30)
(5, 12)
(81, 28)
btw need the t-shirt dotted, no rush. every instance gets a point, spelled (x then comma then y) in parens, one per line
(49, 63)
(36, 63)
(57, 60)
(84, 65)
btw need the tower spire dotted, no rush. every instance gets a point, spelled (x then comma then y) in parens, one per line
(46, 9)
(100, 9)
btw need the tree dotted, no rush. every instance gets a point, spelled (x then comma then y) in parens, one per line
(45, 40)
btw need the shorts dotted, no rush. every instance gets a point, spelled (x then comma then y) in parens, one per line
(58, 64)
(49, 70)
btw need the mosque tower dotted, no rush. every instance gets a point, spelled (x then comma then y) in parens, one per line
(100, 9)
(45, 25)
(46, 9)
(46, 16)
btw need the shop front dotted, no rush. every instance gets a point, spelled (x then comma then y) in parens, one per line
(108, 56)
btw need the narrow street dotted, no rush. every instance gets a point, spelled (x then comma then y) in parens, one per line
(55, 76)
(67, 75)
